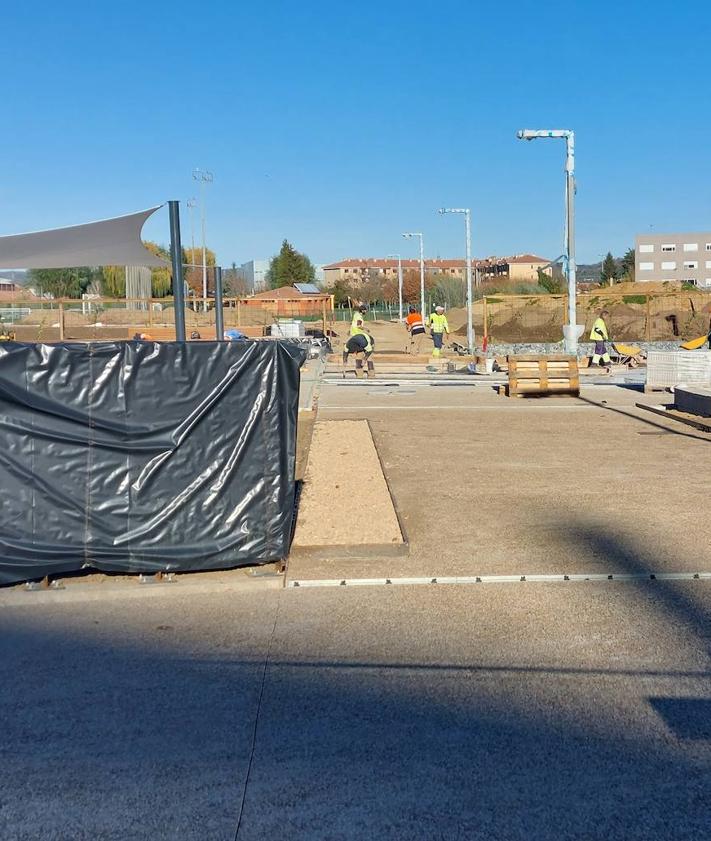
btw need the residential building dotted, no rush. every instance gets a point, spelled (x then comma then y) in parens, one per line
(355, 270)
(682, 257)
(524, 267)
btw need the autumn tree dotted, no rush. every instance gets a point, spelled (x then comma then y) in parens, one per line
(411, 285)
(192, 260)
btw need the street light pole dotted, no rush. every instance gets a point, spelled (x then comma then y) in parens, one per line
(468, 235)
(191, 206)
(572, 330)
(204, 177)
(422, 271)
(399, 284)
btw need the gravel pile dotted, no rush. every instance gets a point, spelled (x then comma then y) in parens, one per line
(584, 348)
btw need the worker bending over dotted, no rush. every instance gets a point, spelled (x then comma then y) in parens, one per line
(599, 335)
(360, 343)
(439, 329)
(415, 326)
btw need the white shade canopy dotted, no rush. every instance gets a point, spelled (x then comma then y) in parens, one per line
(110, 242)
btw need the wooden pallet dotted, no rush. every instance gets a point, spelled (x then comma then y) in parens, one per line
(543, 375)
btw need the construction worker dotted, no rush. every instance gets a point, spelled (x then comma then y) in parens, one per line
(360, 343)
(6, 334)
(599, 335)
(439, 329)
(358, 320)
(415, 326)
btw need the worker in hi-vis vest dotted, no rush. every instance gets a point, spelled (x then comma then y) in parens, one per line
(415, 326)
(360, 343)
(599, 335)
(439, 329)
(358, 320)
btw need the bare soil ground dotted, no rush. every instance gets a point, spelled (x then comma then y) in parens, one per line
(489, 484)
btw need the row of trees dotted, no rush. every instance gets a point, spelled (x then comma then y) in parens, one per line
(110, 281)
(102, 280)
(441, 289)
(286, 268)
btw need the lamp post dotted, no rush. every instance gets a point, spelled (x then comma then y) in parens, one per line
(204, 177)
(422, 271)
(572, 330)
(399, 284)
(191, 203)
(468, 235)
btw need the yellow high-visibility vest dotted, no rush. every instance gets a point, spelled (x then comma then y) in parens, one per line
(438, 323)
(599, 331)
(355, 327)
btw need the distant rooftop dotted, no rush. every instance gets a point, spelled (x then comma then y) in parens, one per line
(286, 292)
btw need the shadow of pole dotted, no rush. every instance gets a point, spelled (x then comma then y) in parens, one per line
(648, 421)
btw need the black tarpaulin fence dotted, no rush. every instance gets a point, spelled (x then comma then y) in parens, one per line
(145, 457)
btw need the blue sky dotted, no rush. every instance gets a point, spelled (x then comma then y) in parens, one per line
(339, 126)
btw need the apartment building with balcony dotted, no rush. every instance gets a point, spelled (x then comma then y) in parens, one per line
(682, 257)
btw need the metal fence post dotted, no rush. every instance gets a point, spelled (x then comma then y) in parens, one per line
(648, 331)
(219, 316)
(177, 259)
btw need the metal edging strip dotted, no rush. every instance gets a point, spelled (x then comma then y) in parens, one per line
(501, 579)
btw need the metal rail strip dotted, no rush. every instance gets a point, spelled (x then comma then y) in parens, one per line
(502, 579)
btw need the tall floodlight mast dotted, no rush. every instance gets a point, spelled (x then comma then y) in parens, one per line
(572, 331)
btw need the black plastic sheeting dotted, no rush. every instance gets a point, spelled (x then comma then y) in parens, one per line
(143, 456)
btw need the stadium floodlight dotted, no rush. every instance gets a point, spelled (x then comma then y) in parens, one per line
(399, 283)
(410, 235)
(468, 245)
(572, 330)
(204, 177)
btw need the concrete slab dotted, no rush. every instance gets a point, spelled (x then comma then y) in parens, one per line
(523, 487)
(127, 719)
(482, 715)
(456, 713)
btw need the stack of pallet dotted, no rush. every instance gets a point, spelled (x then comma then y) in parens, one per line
(541, 375)
(666, 369)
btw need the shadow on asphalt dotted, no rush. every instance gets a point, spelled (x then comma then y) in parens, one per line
(648, 421)
(108, 738)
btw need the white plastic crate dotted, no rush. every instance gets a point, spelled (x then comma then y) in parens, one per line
(668, 368)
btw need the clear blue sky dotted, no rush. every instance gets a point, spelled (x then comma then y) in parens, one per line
(339, 126)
